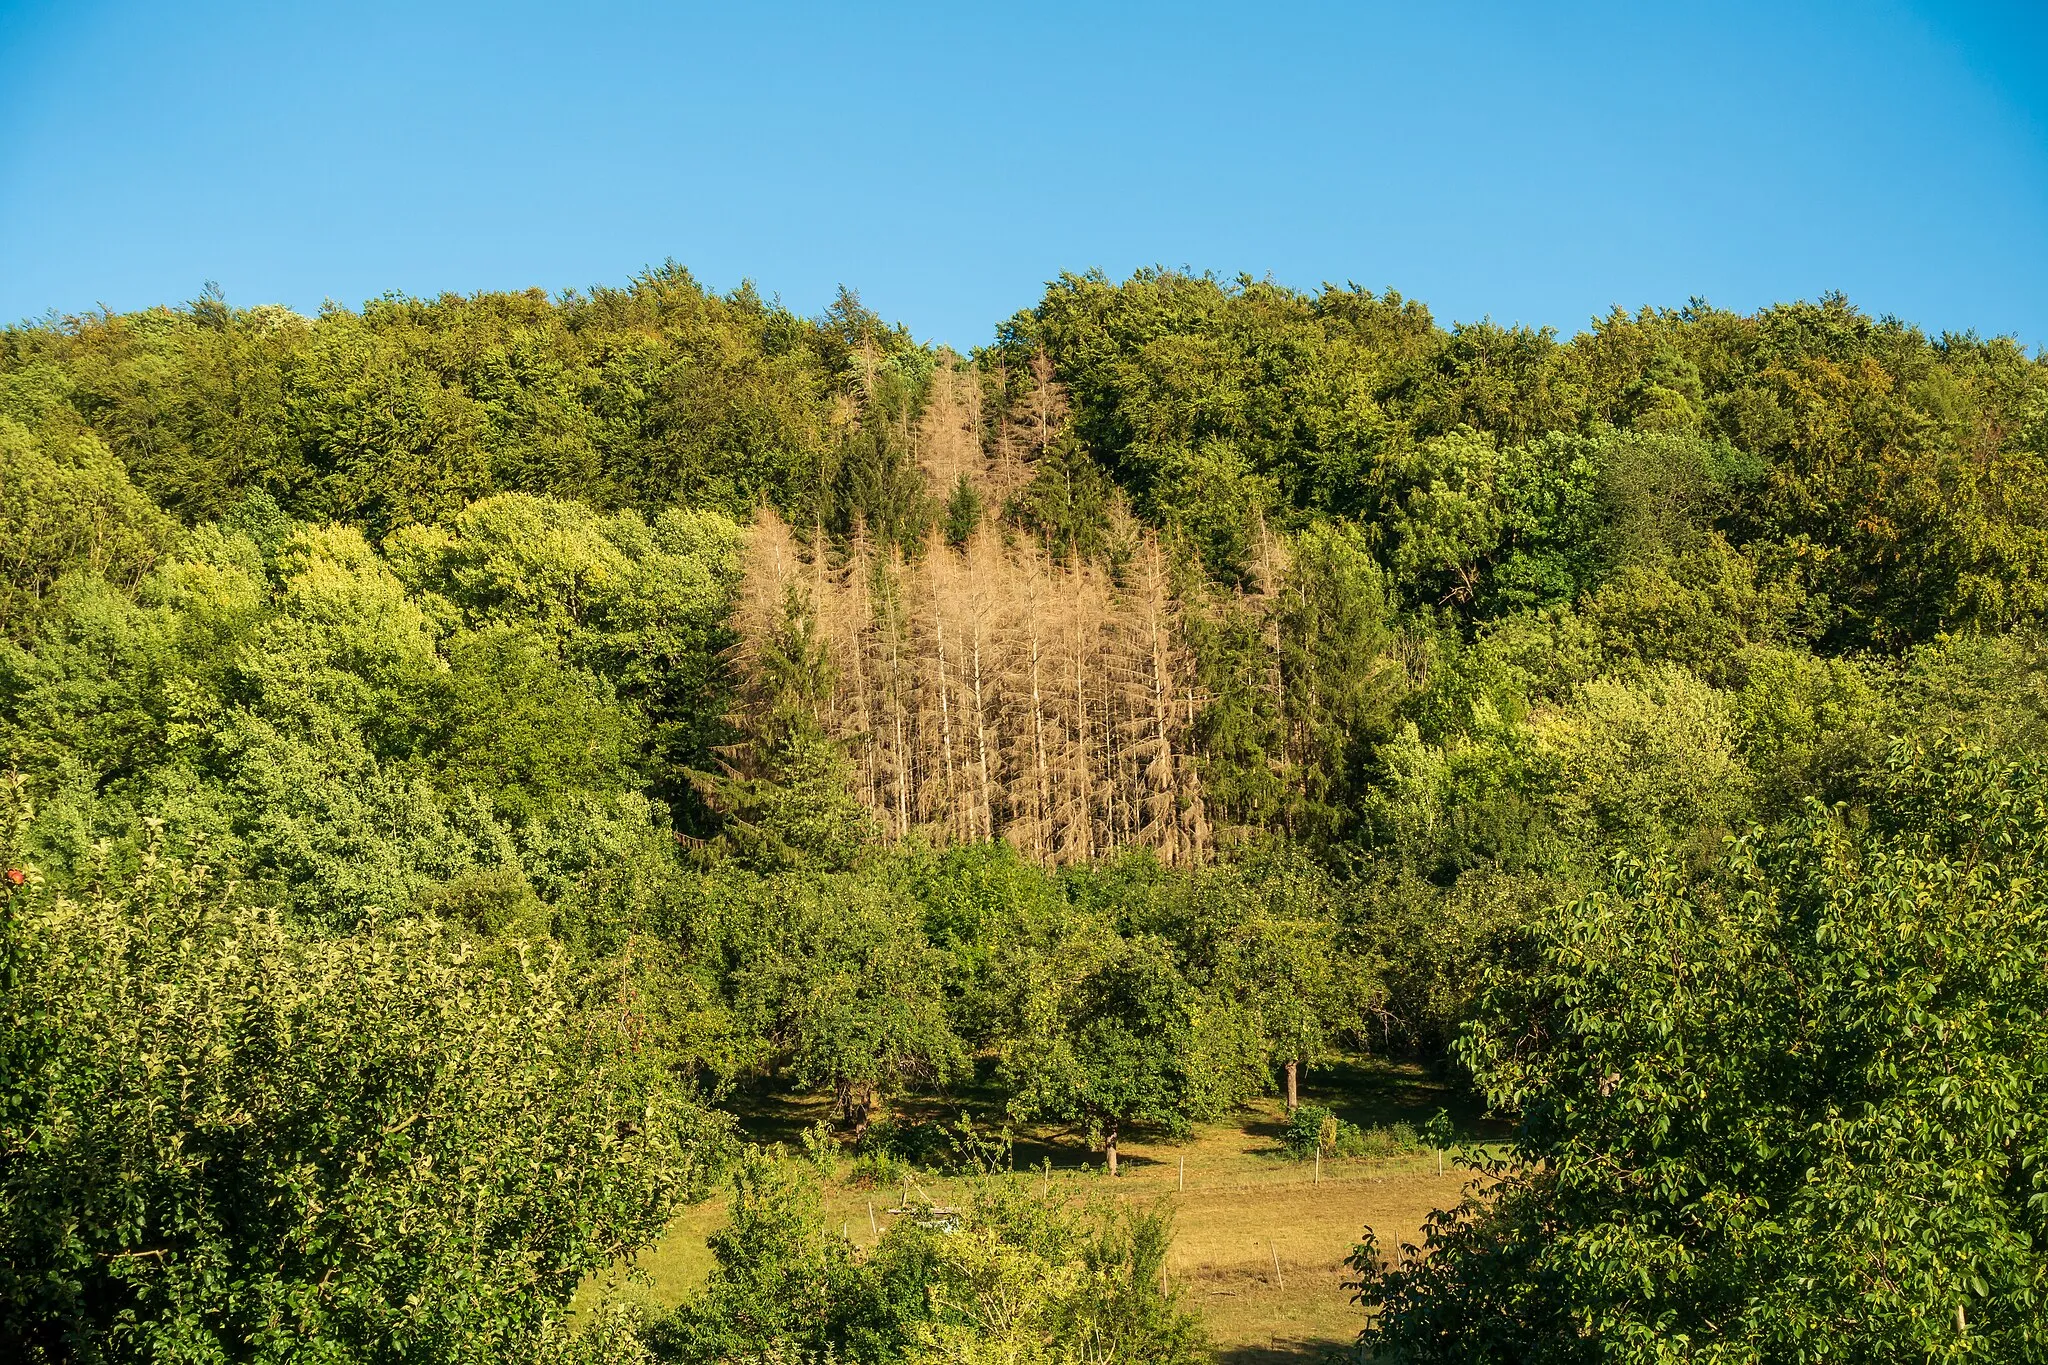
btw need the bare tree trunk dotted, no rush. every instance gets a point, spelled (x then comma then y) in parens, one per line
(826, 621)
(945, 715)
(860, 1104)
(1161, 771)
(1293, 1079)
(1041, 817)
(1109, 1146)
(893, 624)
(902, 749)
(859, 588)
(1112, 767)
(988, 822)
(1081, 821)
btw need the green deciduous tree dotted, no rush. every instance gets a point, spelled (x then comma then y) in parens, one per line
(1112, 1038)
(1798, 1104)
(66, 505)
(837, 975)
(226, 1139)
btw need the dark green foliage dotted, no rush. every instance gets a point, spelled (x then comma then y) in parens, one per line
(1314, 1129)
(1113, 1037)
(784, 792)
(1505, 671)
(963, 512)
(399, 414)
(1888, 477)
(838, 978)
(1337, 685)
(1070, 504)
(1799, 1104)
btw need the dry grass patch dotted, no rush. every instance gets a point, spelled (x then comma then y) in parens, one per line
(1243, 1200)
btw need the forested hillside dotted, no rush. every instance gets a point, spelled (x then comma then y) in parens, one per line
(464, 752)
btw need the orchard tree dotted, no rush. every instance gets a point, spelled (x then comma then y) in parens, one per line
(1304, 991)
(839, 977)
(1281, 981)
(222, 1138)
(1113, 1038)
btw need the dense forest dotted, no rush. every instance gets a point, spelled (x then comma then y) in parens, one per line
(461, 753)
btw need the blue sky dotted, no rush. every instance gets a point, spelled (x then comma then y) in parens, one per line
(1530, 163)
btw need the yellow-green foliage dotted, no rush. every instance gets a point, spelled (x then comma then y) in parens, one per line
(66, 506)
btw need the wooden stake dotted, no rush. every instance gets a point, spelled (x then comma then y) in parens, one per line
(1183, 1175)
(1319, 1164)
(1278, 1281)
(873, 1231)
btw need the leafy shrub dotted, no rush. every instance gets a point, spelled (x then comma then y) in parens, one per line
(1390, 1139)
(1018, 1277)
(877, 1168)
(1313, 1128)
(916, 1144)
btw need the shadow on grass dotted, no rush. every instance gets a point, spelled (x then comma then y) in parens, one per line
(1373, 1093)
(1367, 1091)
(1323, 1351)
(770, 1117)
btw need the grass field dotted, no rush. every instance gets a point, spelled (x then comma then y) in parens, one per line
(1243, 1205)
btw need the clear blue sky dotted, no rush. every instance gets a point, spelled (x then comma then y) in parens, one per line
(1532, 163)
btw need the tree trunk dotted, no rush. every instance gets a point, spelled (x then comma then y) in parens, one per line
(1293, 1079)
(1109, 1146)
(1081, 826)
(871, 1108)
(857, 588)
(902, 749)
(945, 715)
(988, 812)
(1041, 824)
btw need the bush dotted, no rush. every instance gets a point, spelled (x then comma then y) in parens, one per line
(878, 1169)
(1018, 1277)
(1314, 1128)
(890, 1150)
(917, 1144)
(1393, 1139)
